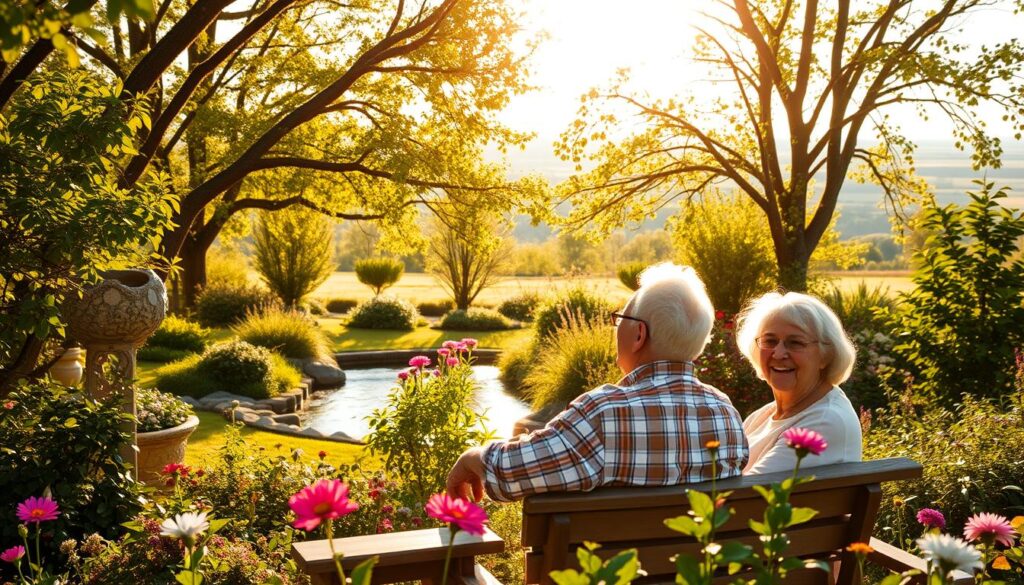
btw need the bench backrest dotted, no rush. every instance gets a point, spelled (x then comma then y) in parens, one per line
(847, 497)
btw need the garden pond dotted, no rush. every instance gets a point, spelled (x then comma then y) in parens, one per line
(347, 408)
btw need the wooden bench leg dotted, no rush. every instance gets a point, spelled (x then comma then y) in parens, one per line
(556, 547)
(862, 524)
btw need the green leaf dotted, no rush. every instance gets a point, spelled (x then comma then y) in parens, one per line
(589, 562)
(621, 569)
(688, 570)
(569, 577)
(733, 552)
(217, 524)
(791, 563)
(818, 564)
(71, 423)
(801, 515)
(363, 572)
(701, 503)
(682, 524)
(187, 577)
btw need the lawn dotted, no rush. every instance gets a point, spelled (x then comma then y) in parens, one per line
(344, 339)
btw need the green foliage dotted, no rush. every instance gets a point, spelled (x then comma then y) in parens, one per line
(621, 569)
(520, 307)
(475, 320)
(289, 333)
(971, 458)
(727, 242)
(514, 365)
(223, 305)
(314, 307)
(957, 329)
(292, 252)
(341, 305)
(575, 302)
(237, 367)
(383, 312)
(467, 254)
(160, 355)
(428, 421)
(724, 367)
(70, 444)
(227, 266)
(435, 309)
(506, 520)
(158, 410)
(578, 357)
(179, 333)
(63, 217)
(630, 273)
(23, 24)
(379, 273)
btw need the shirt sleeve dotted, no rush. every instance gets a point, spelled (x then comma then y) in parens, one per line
(566, 455)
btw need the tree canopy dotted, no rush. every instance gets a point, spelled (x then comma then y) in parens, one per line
(800, 101)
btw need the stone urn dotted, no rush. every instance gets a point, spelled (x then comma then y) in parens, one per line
(68, 369)
(159, 448)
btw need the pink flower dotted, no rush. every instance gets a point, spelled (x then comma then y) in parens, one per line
(420, 361)
(450, 344)
(176, 469)
(403, 375)
(469, 342)
(374, 493)
(9, 405)
(443, 352)
(13, 554)
(416, 521)
(458, 511)
(437, 373)
(805, 441)
(38, 510)
(931, 518)
(326, 499)
(387, 509)
(452, 362)
(385, 526)
(719, 315)
(988, 528)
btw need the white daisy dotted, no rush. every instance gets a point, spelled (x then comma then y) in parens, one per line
(949, 553)
(185, 526)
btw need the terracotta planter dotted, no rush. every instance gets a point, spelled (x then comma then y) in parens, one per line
(158, 448)
(68, 369)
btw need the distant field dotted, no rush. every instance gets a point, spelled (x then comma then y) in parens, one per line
(419, 287)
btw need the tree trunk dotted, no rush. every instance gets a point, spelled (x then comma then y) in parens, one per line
(793, 265)
(193, 273)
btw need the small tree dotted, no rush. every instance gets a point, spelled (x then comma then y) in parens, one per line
(958, 328)
(293, 252)
(379, 273)
(466, 254)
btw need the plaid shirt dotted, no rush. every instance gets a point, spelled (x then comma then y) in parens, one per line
(649, 429)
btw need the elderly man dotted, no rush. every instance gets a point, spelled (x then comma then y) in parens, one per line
(656, 426)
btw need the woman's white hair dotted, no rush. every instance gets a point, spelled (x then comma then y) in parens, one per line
(674, 304)
(810, 315)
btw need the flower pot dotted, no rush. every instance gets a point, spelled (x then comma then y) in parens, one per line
(158, 448)
(125, 307)
(68, 369)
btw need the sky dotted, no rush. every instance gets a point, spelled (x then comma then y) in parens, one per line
(590, 39)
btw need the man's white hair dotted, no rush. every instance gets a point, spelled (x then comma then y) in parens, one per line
(673, 302)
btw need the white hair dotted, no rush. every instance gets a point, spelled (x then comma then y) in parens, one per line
(806, 313)
(674, 304)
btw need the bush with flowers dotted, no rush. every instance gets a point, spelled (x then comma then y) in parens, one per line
(158, 410)
(724, 367)
(429, 419)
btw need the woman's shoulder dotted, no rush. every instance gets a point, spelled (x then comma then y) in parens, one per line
(834, 409)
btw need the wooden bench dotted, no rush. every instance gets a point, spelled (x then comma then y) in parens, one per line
(847, 497)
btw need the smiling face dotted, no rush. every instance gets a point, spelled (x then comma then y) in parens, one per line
(795, 365)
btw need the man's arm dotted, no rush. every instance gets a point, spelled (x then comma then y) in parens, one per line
(467, 475)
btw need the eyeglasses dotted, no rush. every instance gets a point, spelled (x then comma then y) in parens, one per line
(792, 344)
(618, 317)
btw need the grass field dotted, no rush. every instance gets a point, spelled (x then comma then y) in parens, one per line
(419, 287)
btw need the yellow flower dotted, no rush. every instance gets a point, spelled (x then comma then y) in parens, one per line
(898, 502)
(712, 444)
(860, 548)
(1017, 523)
(1001, 563)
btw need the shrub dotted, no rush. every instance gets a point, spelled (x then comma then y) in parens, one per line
(724, 367)
(971, 458)
(629, 275)
(341, 305)
(427, 423)
(957, 329)
(382, 312)
(178, 333)
(577, 358)
(575, 303)
(315, 307)
(289, 333)
(520, 307)
(292, 252)
(222, 305)
(379, 273)
(475, 320)
(514, 365)
(70, 444)
(435, 309)
(158, 410)
(227, 266)
(237, 367)
(859, 309)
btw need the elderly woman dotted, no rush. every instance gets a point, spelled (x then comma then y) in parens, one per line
(797, 345)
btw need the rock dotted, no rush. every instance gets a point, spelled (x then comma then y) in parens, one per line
(323, 373)
(194, 403)
(311, 433)
(263, 421)
(278, 404)
(288, 419)
(344, 438)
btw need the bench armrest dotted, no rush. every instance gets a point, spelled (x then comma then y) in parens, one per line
(898, 560)
(401, 556)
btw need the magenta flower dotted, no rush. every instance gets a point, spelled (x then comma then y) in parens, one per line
(452, 362)
(38, 510)
(450, 344)
(403, 375)
(458, 511)
(437, 372)
(443, 352)
(469, 342)
(326, 499)
(420, 361)
(805, 441)
(988, 528)
(931, 518)
(13, 554)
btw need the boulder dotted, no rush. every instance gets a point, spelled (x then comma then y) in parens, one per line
(324, 372)
(288, 419)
